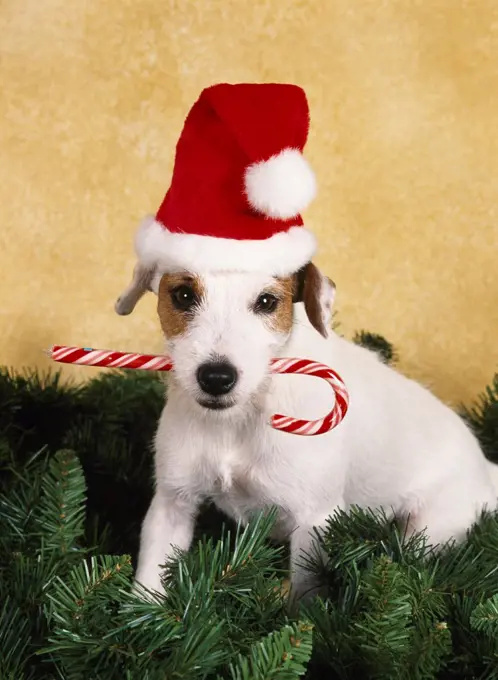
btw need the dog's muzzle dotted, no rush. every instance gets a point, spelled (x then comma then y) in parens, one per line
(216, 380)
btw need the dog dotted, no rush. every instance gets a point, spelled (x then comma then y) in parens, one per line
(399, 448)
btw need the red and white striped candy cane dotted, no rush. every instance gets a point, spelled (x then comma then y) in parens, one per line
(322, 425)
(86, 356)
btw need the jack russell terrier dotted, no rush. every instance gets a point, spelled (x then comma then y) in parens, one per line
(399, 448)
(231, 262)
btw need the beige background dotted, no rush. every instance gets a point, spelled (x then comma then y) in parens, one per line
(404, 140)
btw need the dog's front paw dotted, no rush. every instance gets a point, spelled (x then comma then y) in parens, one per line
(148, 585)
(302, 590)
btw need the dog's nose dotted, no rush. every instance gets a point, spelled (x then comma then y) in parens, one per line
(216, 378)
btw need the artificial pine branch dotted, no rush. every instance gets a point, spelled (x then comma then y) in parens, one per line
(483, 419)
(378, 344)
(485, 617)
(384, 623)
(94, 625)
(15, 639)
(36, 544)
(442, 590)
(82, 602)
(208, 617)
(282, 655)
(61, 511)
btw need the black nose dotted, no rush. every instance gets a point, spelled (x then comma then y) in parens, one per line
(216, 378)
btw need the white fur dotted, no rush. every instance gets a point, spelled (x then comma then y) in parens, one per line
(399, 447)
(143, 280)
(281, 254)
(282, 186)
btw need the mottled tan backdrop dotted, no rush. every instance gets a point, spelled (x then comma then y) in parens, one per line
(404, 100)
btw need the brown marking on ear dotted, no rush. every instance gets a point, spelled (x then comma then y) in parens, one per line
(298, 285)
(307, 289)
(281, 320)
(175, 322)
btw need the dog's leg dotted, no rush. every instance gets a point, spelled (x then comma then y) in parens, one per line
(169, 523)
(305, 544)
(303, 585)
(450, 512)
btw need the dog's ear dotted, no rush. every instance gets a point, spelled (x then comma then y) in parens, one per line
(143, 281)
(318, 294)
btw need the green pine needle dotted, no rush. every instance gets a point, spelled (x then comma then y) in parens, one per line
(15, 640)
(483, 419)
(386, 618)
(485, 617)
(282, 655)
(61, 511)
(378, 344)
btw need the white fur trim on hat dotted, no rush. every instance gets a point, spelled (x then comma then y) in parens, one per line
(281, 187)
(280, 255)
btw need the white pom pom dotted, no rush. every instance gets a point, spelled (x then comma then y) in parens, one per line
(281, 187)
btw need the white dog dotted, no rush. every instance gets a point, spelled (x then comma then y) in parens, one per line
(399, 448)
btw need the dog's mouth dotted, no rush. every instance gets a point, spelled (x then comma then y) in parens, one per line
(215, 404)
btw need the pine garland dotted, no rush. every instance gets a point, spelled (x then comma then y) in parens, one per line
(76, 465)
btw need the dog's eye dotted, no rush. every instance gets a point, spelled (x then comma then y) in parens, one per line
(183, 298)
(266, 303)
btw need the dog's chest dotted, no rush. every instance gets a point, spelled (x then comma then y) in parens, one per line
(235, 475)
(245, 493)
(243, 481)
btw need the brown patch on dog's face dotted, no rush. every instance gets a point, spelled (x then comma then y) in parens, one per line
(179, 295)
(281, 320)
(275, 305)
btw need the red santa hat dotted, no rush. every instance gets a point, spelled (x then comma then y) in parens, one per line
(239, 184)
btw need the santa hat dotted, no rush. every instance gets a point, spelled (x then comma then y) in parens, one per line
(239, 184)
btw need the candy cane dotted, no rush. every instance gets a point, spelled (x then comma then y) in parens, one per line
(322, 425)
(86, 356)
